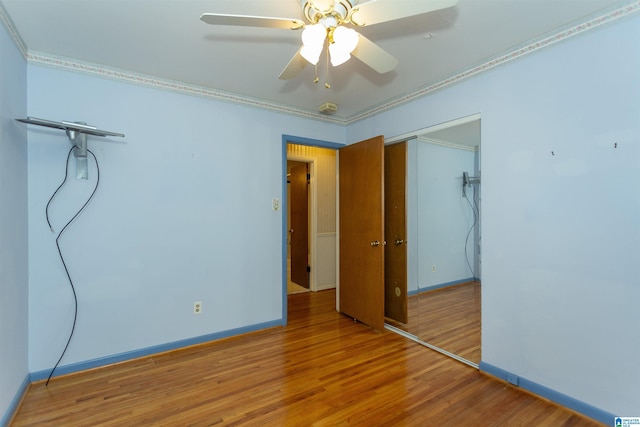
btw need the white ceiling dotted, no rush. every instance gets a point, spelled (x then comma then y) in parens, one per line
(463, 135)
(165, 40)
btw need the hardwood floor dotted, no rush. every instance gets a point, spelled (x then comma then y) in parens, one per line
(322, 369)
(448, 318)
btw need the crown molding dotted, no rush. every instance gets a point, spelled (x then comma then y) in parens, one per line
(516, 53)
(447, 144)
(11, 28)
(535, 45)
(171, 85)
(74, 65)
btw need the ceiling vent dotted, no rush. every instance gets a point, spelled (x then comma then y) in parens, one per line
(328, 108)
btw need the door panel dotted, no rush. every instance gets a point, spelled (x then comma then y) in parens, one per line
(361, 200)
(395, 257)
(299, 225)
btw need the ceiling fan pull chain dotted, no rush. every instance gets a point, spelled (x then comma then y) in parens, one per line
(326, 83)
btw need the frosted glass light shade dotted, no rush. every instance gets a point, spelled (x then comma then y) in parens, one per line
(338, 56)
(313, 38)
(345, 41)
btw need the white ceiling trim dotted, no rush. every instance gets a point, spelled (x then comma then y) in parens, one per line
(516, 53)
(151, 81)
(11, 28)
(175, 86)
(447, 144)
(147, 80)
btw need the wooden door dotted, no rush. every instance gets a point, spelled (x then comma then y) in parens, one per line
(361, 245)
(299, 224)
(395, 228)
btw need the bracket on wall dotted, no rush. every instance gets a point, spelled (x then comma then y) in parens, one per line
(468, 181)
(77, 133)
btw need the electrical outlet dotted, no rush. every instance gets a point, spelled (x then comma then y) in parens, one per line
(433, 268)
(275, 204)
(197, 307)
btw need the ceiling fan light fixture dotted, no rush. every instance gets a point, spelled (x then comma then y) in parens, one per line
(343, 42)
(338, 56)
(310, 54)
(313, 38)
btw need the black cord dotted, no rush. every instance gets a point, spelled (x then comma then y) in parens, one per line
(66, 174)
(64, 264)
(475, 221)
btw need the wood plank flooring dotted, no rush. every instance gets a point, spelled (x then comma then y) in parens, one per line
(448, 318)
(323, 369)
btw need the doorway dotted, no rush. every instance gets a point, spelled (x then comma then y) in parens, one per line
(298, 216)
(311, 243)
(319, 159)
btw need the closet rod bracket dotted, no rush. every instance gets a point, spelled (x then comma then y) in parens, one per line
(77, 133)
(79, 142)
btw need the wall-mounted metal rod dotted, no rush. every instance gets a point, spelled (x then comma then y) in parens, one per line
(80, 127)
(77, 133)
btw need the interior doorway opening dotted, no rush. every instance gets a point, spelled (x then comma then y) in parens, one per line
(319, 158)
(298, 219)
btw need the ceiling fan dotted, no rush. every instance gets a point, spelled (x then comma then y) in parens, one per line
(328, 22)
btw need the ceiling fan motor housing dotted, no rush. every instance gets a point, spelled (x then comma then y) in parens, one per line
(313, 10)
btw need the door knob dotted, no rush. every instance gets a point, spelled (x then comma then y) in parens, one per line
(375, 243)
(398, 241)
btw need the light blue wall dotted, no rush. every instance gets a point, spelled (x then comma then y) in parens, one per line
(13, 225)
(445, 216)
(183, 214)
(438, 217)
(561, 231)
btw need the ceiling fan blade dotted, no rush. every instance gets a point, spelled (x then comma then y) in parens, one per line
(252, 21)
(294, 67)
(377, 11)
(374, 56)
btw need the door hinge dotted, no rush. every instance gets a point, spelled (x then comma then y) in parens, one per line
(308, 178)
(308, 269)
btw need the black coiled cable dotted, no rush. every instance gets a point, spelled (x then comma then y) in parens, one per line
(64, 264)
